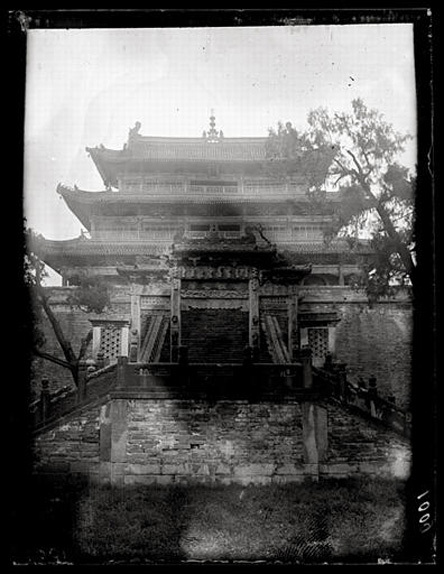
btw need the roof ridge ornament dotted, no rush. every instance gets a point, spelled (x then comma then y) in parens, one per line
(213, 135)
(134, 132)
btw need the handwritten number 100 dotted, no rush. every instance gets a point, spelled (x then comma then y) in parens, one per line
(423, 520)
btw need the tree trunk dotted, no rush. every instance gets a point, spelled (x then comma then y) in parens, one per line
(70, 357)
(401, 248)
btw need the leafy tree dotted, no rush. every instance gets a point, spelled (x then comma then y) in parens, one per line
(360, 150)
(90, 295)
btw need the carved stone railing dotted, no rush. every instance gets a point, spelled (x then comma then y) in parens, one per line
(93, 384)
(332, 380)
(212, 381)
(231, 380)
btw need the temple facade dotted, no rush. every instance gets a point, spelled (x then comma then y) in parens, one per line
(207, 251)
(234, 348)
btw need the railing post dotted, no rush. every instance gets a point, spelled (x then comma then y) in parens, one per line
(307, 374)
(175, 329)
(182, 355)
(328, 362)
(100, 361)
(122, 363)
(124, 340)
(248, 356)
(97, 334)
(253, 313)
(134, 346)
(82, 372)
(341, 371)
(372, 394)
(181, 373)
(44, 400)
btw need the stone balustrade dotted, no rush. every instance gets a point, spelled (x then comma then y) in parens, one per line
(212, 381)
(332, 379)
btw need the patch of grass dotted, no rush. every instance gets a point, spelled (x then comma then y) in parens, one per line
(329, 521)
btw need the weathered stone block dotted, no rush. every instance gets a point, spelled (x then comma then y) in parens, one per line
(199, 469)
(222, 469)
(134, 448)
(165, 479)
(369, 467)
(286, 478)
(56, 467)
(141, 458)
(289, 469)
(83, 467)
(342, 468)
(142, 469)
(174, 469)
(266, 469)
(140, 479)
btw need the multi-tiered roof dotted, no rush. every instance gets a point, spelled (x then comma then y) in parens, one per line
(158, 181)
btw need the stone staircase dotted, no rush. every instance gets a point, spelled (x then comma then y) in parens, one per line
(274, 338)
(331, 381)
(153, 341)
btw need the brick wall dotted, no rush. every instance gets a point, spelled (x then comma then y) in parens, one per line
(71, 446)
(172, 441)
(215, 335)
(378, 341)
(181, 440)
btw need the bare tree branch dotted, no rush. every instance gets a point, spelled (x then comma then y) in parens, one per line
(355, 161)
(84, 344)
(52, 358)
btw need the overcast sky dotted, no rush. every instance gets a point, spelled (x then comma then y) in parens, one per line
(86, 87)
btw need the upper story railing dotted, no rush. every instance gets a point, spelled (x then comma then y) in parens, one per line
(274, 233)
(241, 188)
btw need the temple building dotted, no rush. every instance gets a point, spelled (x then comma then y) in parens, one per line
(234, 348)
(206, 250)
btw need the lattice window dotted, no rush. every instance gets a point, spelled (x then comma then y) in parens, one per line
(110, 341)
(318, 342)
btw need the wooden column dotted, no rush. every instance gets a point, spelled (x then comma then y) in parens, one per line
(253, 321)
(97, 331)
(124, 341)
(135, 319)
(175, 331)
(292, 303)
(331, 339)
(307, 373)
(304, 337)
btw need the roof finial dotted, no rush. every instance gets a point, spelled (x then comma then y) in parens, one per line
(213, 135)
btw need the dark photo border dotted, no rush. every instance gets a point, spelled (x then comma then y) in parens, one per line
(421, 547)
